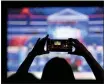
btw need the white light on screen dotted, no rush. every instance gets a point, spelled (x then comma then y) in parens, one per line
(66, 32)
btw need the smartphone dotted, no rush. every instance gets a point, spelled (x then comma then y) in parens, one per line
(59, 45)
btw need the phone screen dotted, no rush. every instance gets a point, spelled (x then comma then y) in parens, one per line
(58, 45)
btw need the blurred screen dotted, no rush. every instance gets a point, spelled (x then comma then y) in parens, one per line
(26, 25)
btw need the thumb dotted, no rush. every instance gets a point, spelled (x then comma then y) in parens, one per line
(71, 52)
(37, 41)
(45, 52)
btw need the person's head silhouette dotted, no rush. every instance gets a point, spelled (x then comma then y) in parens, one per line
(57, 69)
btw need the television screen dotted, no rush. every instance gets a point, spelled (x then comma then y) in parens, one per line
(26, 25)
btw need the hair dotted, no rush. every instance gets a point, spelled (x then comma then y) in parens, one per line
(57, 69)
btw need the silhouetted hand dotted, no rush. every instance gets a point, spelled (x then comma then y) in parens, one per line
(80, 49)
(39, 47)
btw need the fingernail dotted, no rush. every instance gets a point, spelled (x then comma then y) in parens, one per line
(47, 35)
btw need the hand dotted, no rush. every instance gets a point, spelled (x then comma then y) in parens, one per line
(39, 47)
(80, 49)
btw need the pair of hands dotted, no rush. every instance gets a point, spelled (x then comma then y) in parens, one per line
(80, 49)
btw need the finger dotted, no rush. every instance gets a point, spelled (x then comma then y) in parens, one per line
(75, 41)
(71, 42)
(36, 44)
(37, 41)
(45, 38)
(71, 52)
(70, 39)
(43, 41)
(45, 52)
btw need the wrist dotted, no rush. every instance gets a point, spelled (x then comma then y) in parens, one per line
(88, 54)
